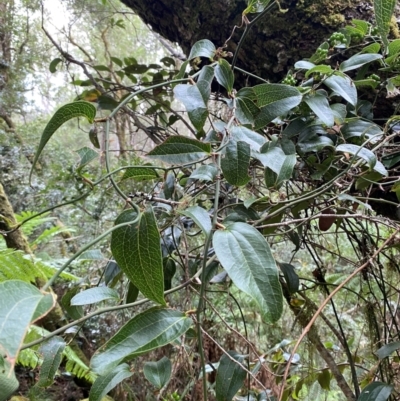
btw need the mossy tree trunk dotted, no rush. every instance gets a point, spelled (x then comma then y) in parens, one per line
(273, 45)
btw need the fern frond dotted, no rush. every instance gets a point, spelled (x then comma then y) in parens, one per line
(30, 226)
(29, 358)
(76, 366)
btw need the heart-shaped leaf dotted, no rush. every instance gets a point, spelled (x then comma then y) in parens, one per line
(158, 373)
(202, 48)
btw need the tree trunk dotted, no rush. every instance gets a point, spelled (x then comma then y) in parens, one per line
(273, 44)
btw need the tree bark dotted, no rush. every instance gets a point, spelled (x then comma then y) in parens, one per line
(273, 44)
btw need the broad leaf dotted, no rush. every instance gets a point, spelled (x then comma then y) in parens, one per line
(202, 48)
(235, 164)
(365, 154)
(180, 150)
(388, 349)
(52, 352)
(104, 384)
(62, 115)
(87, 155)
(230, 376)
(383, 13)
(146, 332)
(358, 60)
(140, 173)
(291, 277)
(20, 304)
(376, 391)
(8, 381)
(245, 255)
(53, 65)
(137, 251)
(204, 82)
(357, 127)
(343, 86)
(274, 100)
(303, 65)
(319, 69)
(319, 104)
(192, 99)
(206, 172)
(255, 140)
(224, 75)
(200, 216)
(158, 373)
(94, 295)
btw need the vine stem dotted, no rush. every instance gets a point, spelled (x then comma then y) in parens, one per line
(325, 302)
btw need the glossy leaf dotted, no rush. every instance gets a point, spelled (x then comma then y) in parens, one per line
(75, 312)
(52, 353)
(62, 115)
(319, 104)
(158, 373)
(169, 268)
(388, 349)
(202, 48)
(137, 251)
(358, 60)
(376, 391)
(206, 172)
(365, 154)
(343, 86)
(179, 150)
(204, 82)
(274, 100)
(104, 384)
(383, 13)
(230, 376)
(291, 277)
(20, 304)
(357, 127)
(193, 101)
(140, 173)
(245, 255)
(132, 293)
(200, 216)
(145, 332)
(255, 140)
(235, 164)
(94, 295)
(224, 75)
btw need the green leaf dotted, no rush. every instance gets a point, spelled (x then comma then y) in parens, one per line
(230, 376)
(104, 384)
(193, 101)
(313, 139)
(235, 164)
(255, 140)
(324, 379)
(274, 100)
(365, 154)
(8, 381)
(319, 104)
(204, 82)
(244, 108)
(376, 391)
(206, 172)
(356, 127)
(388, 349)
(291, 277)
(303, 65)
(94, 295)
(169, 267)
(132, 293)
(319, 69)
(52, 352)
(371, 48)
(200, 216)
(62, 115)
(158, 373)
(343, 86)
(145, 332)
(245, 255)
(383, 13)
(140, 173)
(180, 150)
(87, 155)
(394, 47)
(53, 65)
(255, 6)
(75, 312)
(358, 60)
(224, 75)
(20, 304)
(202, 48)
(137, 250)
